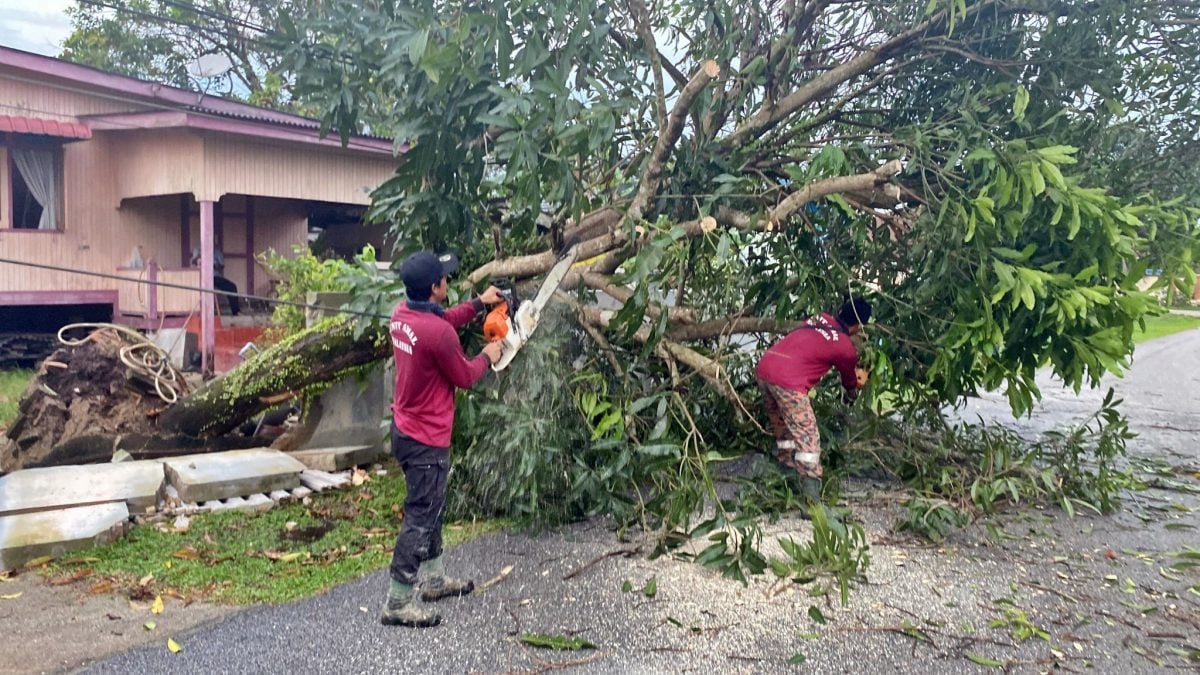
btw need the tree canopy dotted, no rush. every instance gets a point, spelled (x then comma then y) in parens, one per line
(994, 176)
(158, 39)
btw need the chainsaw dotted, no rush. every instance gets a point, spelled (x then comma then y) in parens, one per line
(512, 321)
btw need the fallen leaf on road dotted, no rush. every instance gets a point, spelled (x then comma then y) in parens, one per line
(102, 586)
(651, 587)
(113, 617)
(70, 578)
(149, 625)
(173, 646)
(157, 606)
(556, 642)
(4, 576)
(38, 562)
(11, 596)
(797, 659)
(984, 661)
(145, 581)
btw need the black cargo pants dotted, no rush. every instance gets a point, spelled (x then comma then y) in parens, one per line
(425, 471)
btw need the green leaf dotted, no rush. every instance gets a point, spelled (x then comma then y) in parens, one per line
(417, 46)
(797, 659)
(556, 642)
(983, 660)
(815, 614)
(626, 586)
(651, 587)
(1021, 102)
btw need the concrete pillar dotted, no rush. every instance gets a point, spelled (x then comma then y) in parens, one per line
(207, 307)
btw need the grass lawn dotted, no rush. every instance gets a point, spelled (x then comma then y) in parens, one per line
(1167, 324)
(12, 385)
(290, 552)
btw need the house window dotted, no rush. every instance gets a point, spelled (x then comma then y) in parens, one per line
(31, 187)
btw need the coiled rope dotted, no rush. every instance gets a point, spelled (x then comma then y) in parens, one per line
(138, 354)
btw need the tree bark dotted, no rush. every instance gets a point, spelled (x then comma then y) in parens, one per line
(319, 354)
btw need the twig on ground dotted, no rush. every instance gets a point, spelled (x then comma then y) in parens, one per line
(495, 580)
(1064, 596)
(625, 552)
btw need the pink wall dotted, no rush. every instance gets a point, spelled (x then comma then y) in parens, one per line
(124, 187)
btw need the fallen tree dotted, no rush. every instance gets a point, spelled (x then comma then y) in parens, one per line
(728, 169)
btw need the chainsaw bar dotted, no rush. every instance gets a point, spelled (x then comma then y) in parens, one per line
(525, 321)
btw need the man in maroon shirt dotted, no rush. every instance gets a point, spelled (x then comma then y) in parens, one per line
(430, 364)
(793, 366)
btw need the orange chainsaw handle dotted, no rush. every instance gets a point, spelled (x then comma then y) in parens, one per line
(495, 325)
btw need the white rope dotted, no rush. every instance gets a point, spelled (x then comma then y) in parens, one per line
(139, 354)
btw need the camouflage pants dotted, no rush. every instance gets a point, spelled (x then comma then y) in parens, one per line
(797, 438)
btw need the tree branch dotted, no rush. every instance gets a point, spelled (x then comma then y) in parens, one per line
(772, 114)
(668, 137)
(866, 182)
(709, 369)
(641, 19)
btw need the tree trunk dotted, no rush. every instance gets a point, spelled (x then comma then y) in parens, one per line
(318, 354)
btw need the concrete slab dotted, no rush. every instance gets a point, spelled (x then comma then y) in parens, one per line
(208, 477)
(340, 458)
(137, 484)
(353, 411)
(26, 536)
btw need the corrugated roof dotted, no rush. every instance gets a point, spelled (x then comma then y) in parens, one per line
(37, 126)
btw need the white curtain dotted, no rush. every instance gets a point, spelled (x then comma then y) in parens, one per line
(38, 169)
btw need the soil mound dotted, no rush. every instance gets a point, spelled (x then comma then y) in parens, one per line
(83, 396)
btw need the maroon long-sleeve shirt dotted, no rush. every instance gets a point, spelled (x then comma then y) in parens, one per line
(803, 356)
(429, 364)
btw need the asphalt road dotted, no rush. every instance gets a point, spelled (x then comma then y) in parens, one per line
(1101, 588)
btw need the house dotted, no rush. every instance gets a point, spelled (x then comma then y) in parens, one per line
(110, 186)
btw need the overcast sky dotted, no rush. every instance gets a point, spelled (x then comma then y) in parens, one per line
(34, 26)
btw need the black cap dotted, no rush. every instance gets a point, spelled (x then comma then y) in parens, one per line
(421, 270)
(856, 311)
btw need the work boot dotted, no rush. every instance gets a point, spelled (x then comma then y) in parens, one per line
(810, 489)
(400, 609)
(437, 587)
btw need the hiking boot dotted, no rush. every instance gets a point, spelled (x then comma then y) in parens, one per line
(405, 612)
(436, 588)
(810, 490)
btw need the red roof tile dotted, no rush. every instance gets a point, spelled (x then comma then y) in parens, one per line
(43, 127)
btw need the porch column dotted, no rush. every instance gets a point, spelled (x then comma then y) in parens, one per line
(207, 329)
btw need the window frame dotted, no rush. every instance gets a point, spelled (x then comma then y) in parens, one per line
(7, 169)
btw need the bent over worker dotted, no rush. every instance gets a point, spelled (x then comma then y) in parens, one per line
(792, 367)
(429, 365)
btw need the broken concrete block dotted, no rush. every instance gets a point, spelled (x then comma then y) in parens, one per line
(353, 411)
(339, 458)
(202, 478)
(281, 496)
(137, 484)
(301, 493)
(25, 536)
